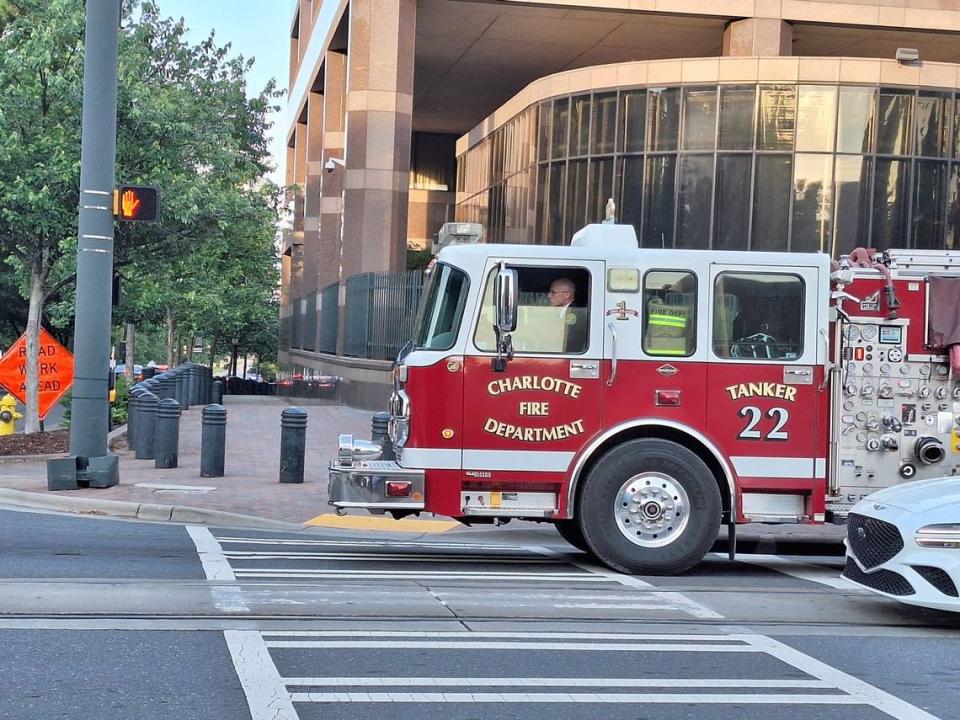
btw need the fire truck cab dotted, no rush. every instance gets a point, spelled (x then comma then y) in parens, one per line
(635, 398)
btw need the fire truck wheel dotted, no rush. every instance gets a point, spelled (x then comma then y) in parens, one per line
(651, 507)
(570, 531)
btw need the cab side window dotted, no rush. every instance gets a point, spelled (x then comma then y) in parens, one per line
(758, 316)
(669, 313)
(553, 314)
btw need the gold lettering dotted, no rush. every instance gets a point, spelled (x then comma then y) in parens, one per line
(527, 382)
(550, 433)
(490, 426)
(755, 389)
(780, 390)
(574, 391)
(791, 394)
(528, 434)
(768, 389)
(732, 389)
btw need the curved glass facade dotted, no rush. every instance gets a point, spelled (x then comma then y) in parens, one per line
(800, 167)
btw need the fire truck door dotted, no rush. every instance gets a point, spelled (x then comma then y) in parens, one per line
(525, 424)
(765, 408)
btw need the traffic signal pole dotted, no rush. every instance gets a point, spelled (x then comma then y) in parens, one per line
(89, 407)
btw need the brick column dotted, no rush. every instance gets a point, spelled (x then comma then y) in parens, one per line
(379, 123)
(758, 36)
(311, 202)
(334, 109)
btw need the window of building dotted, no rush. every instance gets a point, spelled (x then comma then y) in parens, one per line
(933, 124)
(812, 203)
(737, 111)
(893, 122)
(700, 118)
(663, 118)
(603, 124)
(851, 201)
(855, 119)
(732, 223)
(659, 201)
(776, 117)
(694, 201)
(816, 118)
(758, 316)
(669, 313)
(579, 125)
(634, 118)
(771, 202)
(553, 316)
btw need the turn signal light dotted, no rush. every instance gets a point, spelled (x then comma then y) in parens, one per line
(398, 488)
(669, 398)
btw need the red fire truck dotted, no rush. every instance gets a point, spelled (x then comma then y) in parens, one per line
(638, 398)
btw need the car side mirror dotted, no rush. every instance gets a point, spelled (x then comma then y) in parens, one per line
(506, 297)
(506, 292)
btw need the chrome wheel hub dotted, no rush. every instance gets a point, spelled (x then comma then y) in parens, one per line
(652, 509)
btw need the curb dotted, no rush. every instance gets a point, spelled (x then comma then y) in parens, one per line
(113, 438)
(137, 511)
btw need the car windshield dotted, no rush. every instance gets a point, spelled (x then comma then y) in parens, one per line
(442, 308)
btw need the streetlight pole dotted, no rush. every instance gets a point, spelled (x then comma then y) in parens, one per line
(89, 407)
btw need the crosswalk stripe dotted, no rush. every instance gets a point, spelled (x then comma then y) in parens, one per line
(592, 698)
(467, 634)
(551, 682)
(484, 645)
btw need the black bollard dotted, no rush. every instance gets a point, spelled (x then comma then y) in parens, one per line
(293, 444)
(380, 434)
(213, 440)
(146, 426)
(195, 398)
(133, 409)
(168, 385)
(180, 393)
(167, 439)
(216, 393)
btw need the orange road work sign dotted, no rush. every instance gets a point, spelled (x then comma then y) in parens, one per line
(56, 371)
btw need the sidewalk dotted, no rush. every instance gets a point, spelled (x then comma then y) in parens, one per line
(250, 485)
(251, 494)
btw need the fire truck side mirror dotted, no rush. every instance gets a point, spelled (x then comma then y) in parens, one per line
(506, 290)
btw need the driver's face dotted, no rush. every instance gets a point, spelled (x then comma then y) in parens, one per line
(559, 295)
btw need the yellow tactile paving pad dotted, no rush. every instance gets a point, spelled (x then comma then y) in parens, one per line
(375, 522)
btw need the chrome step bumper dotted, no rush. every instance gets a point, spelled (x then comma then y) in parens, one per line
(363, 484)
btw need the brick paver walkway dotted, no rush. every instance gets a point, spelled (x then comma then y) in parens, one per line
(250, 486)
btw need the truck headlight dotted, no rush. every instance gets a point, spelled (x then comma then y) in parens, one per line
(939, 536)
(349, 450)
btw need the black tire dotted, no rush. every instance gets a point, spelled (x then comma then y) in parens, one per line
(681, 470)
(570, 531)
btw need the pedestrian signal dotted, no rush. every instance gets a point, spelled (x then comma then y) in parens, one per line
(133, 203)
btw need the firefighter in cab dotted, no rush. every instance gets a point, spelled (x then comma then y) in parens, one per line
(8, 415)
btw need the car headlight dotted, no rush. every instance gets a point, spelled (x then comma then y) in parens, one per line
(939, 536)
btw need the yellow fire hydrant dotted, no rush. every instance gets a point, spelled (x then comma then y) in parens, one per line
(8, 415)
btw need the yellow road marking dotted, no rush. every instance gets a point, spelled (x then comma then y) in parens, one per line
(373, 522)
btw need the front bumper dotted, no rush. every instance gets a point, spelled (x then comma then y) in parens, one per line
(927, 577)
(363, 484)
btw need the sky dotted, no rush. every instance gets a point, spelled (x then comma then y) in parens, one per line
(255, 28)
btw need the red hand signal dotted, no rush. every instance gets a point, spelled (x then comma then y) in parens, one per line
(130, 204)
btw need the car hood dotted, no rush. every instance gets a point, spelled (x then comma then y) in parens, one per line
(923, 496)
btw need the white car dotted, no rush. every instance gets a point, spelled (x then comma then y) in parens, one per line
(903, 542)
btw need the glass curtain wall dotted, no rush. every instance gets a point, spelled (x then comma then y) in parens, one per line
(778, 167)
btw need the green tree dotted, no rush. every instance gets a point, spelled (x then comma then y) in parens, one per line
(185, 123)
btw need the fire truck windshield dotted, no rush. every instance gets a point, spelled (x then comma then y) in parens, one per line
(442, 309)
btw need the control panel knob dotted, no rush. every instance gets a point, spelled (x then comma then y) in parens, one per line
(885, 369)
(850, 389)
(892, 423)
(885, 392)
(873, 424)
(942, 393)
(924, 392)
(890, 442)
(895, 355)
(956, 393)
(866, 390)
(908, 471)
(873, 444)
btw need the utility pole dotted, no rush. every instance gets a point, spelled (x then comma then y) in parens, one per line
(90, 408)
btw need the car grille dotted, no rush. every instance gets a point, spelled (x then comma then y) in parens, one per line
(938, 578)
(872, 541)
(886, 581)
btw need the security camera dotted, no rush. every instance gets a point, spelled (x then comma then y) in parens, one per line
(331, 164)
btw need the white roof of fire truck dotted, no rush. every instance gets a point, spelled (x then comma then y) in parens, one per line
(618, 244)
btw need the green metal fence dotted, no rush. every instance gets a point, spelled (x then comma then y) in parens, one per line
(329, 314)
(380, 313)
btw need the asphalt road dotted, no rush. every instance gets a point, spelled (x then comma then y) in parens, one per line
(109, 619)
